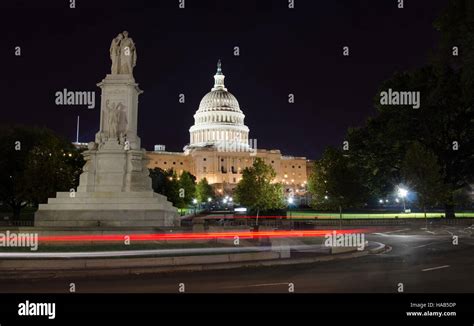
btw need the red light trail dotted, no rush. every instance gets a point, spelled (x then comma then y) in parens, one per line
(195, 236)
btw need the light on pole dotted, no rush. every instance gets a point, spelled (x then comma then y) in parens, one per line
(291, 200)
(195, 205)
(402, 193)
(224, 201)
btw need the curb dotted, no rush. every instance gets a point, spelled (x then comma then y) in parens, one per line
(381, 248)
(103, 272)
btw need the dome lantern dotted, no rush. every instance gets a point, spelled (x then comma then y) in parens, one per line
(219, 78)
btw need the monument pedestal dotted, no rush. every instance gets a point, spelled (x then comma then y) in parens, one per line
(115, 188)
(107, 209)
(114, 169)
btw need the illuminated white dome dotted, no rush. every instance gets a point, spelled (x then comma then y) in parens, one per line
(219, 121)
(219, 100)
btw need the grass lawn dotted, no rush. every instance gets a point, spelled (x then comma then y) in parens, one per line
(319, 215)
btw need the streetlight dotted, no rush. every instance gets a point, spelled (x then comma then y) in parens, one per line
(402, 193)
(209, 199)
(291, 200)
(224, 201)
(195, 202)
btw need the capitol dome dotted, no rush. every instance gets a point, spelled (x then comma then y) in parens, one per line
(219, 100)
(219, 122)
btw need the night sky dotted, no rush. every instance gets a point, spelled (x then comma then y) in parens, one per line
(282, 51)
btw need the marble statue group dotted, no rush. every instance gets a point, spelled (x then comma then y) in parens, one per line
(123, 54)
(116, 119)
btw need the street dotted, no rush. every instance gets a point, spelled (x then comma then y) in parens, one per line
(422, 261)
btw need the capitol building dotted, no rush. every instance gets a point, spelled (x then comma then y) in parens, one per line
(220, 148)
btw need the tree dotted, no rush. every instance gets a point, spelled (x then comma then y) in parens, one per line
(35, 164)
(165, 182)
(180, 190)
(204, 190)
(456, 47)
(456, 53)
(257, 191)
(187, 189)
(443, 123)
(421, 171)
(159, 180)
(335, 183)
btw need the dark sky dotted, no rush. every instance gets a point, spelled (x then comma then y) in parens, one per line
(282, 51)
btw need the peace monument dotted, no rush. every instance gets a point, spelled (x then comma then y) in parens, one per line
(115, 188)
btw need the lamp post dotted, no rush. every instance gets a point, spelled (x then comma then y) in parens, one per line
(291, 200)
(402, 193)
(224, 202)
(195, 205)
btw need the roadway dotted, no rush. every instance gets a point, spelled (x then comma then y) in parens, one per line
(423, 261)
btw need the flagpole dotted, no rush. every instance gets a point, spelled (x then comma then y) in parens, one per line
(77, 131)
